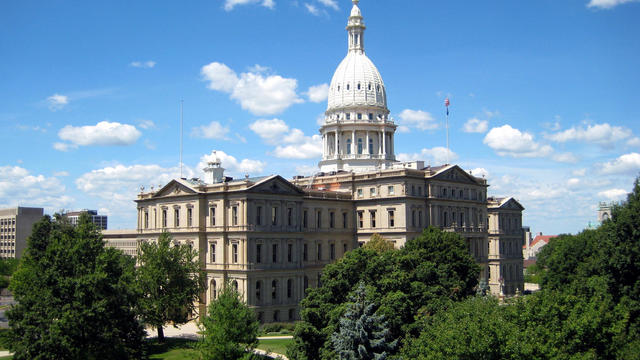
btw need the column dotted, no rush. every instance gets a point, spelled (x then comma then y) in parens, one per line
(336, 143)
(353, 142)
(384, 144)
(367, 144)
(379, 143)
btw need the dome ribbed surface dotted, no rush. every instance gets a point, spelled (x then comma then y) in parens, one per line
(356, 69)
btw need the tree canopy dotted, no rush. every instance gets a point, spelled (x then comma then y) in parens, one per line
(230, 328)
(171, 280)
(420, 278)
(75, 297)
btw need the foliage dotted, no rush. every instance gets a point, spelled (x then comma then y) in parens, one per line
(278, 346)
(8, 266)
(420, 278)
(229, 329)
(75, 297)
(277, 327)
(379, 244)
(362, 334)
(171, 280)
(533, 274)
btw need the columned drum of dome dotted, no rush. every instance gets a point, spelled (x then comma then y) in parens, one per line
(357, 134)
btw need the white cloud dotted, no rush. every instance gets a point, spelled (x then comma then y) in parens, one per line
(433, 156)
(318, 93)
(579, 172)
(625, 164)
(475, 125)
(232, 165)
(143, 64)
(230, 4)
(607, 4)
(566, 158)
(418, 119)
(104, 133)
(613, 194)
(330, 3)
(601, 134)
(123, 182)
(57, 101)
(146, 124)
(213, 130)
(507, 141)
(312, 9)
(573, 182)
(18, 187)
(257, 93)
(634, 142)
(64, 146)
(291, 143)
(479, 172)
(61, 173)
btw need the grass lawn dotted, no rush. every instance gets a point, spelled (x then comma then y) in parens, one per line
(173, 349)
(6, 357)
(276, 345)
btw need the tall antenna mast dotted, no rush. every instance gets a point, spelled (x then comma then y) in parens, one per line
(447, 103)
(181, 122)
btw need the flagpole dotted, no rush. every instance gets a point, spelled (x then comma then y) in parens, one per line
(446, 103)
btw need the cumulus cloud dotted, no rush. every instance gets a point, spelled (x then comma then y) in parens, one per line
(256, 92)
(573, 182)
(479, 172)
(291, 143)
(433, 156)
(57, 102)
(112, 181)
(475, 125)
(318, 93)
(232, 165)
(19, 187)
(418, 119)
(507, 141)
(613, 194)
(143, 64)
(104, 133)
(607, 4)
(213, 130)
(230, 4)
(634, 142)
(602, 134)
(625, 164)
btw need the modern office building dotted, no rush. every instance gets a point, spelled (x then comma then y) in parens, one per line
(15, 228)
(99, 220)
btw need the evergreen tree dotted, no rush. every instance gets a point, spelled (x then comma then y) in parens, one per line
(230, 328)
(75, 297)
(363, 334)
(171, 280)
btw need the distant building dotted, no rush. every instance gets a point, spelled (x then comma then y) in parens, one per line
(506, 236)
(15, 228)
(125, 240)
(98, 220)
(538, 242)
(604, 211)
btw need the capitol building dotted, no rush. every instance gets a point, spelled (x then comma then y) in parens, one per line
(270, 237)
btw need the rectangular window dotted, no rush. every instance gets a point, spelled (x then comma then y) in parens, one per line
(274, 215)
(258, 253)
(360, 219)
(391, 190)
(305, 252)
(290, 216)
(332, 251)
(344, 220)
(213, 253)
(289, 291)
(392, 220)
(372, 217)
(234, 215)
(413, 218)
(370, 116)
(332, 219)
(234, 253)
(304, 219)
(176, 217)
(274, 253)
(290, 252)
(359, 116)
(420, 218)
(319, 252)
(212, 216)
(372, 192)
(319, 219)
(189, 217)
(146, 219)
(344, 249)
(259, 215)
(359, 193)
(164, 218)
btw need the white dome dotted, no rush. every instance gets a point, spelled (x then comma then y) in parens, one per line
(356, 82)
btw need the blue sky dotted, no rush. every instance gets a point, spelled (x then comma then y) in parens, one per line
(544, 95)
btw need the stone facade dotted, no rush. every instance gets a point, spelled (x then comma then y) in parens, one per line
(506, 238)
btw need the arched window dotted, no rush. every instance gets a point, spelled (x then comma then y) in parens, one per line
(370, 146)
(358, 86)
(338, 87)
(274, 289)
(369, 86)
(348, 86)
(359, 146)
(348, 146)
(214, 290)
(258, 289)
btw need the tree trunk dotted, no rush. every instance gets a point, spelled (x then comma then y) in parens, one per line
(160, 334)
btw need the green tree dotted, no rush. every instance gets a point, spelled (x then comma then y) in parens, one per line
(362, 334)
(171, 279)
(230, 328)
(422, 277)
(379, 243)
(75, 297)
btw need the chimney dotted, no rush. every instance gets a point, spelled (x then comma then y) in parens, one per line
(214, 170)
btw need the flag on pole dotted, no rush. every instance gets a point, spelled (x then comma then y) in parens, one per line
(447, 103)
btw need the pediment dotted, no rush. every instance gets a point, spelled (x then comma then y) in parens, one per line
(276, 185)
(512, 204)
(455, 173)
(174, 188)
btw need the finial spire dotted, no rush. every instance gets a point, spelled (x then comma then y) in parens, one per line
(355, 2)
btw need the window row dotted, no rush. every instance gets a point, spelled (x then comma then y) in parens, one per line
(275, 256)
(373, 217)
(164, 217)
(7, 221)
(373, 191)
